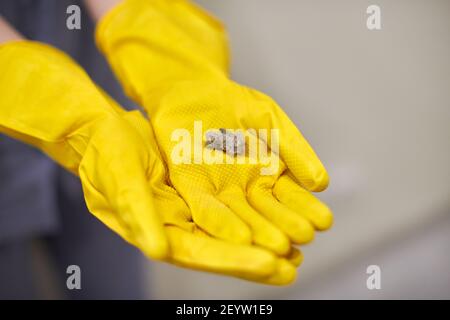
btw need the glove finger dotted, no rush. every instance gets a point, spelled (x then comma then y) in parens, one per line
(284, 274)
(119, 175)
(213, 255)
(294, 150)
(299, 156)
(298, 229)
(98, 205)
(295, 257)
(218, 220)
(264, 233)
(208, 254)
(137, 206)
(288, 192)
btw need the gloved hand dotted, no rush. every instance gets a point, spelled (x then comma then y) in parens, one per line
(172, 58)
(191, 247)
(46, 100)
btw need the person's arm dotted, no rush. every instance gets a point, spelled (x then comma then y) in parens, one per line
(98, 8)
(7, 32)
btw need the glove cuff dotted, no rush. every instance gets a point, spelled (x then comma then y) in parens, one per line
(153, 44)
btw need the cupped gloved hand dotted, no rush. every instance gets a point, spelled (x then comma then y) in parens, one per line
(194, 248)
(242, 198)
(172, 58)
(47, 101)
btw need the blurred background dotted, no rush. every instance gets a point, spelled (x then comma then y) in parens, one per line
(375, 105)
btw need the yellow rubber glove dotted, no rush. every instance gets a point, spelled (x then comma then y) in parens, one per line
(172, 58)
(46, 100)
(193, 248)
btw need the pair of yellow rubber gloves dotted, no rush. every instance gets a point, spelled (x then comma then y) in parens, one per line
(172, 59)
